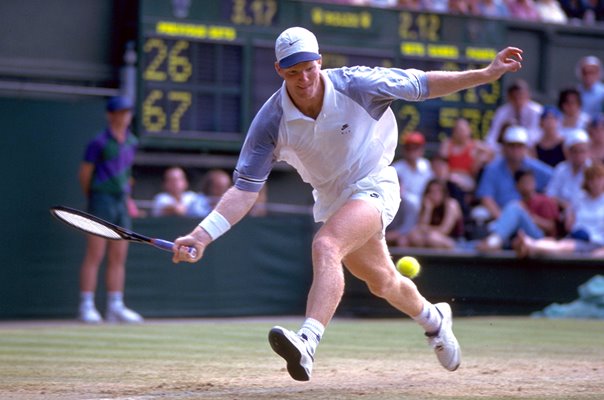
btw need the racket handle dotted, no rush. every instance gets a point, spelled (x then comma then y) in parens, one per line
(167, 245)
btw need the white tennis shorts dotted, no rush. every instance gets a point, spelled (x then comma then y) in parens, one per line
(380, 189)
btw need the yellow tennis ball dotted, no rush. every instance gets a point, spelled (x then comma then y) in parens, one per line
(408, 266)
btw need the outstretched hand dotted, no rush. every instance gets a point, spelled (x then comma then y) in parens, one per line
(507, 60)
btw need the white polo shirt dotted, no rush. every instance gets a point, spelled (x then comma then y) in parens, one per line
(354, 136)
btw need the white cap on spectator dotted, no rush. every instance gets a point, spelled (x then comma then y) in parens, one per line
(515, 134)
(575, 136)
(296, 45)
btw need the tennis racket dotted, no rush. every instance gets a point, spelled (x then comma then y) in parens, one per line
(99, 227)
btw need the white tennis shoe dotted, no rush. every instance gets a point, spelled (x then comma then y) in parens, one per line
(89, 315)
(295, 350)
(444, 343)
(123, 315)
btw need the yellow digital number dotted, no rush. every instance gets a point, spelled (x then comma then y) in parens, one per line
(238, 14)
(179, 67)
(479, 121)
(410, 117)
(262, 12)
(184, 100)
(429, 27)
(474, 117)
(154, 117)
(404, 27)
(447, 117)
(152, 72)
(420, 27)
(491, 93)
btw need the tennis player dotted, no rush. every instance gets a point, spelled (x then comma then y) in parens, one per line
(336, 128)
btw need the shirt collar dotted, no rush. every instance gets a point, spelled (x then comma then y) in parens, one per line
(291, 112)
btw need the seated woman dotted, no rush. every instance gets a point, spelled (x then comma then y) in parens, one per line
(550, 147)
(466, 155)
(440, 220)
(585, 222)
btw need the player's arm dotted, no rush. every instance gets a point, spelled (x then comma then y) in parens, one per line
(443, 83)
(231, 208)
(85, 176)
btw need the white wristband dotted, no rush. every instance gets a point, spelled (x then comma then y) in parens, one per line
(215, 224)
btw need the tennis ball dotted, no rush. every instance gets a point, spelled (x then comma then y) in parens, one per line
(408, 266)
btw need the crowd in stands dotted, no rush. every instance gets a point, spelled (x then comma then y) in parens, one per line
(579, 12)
(175, 198)
(535, 184)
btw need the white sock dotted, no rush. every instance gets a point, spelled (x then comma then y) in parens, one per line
(87, 299)
(312, 331)
(429, 319)
(115, 300)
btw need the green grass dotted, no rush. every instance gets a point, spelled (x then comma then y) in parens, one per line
(503, 358)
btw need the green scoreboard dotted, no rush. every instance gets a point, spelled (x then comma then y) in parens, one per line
(206, 67)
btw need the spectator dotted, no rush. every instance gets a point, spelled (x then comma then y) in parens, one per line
(213, 185)
(496, 186)
(525, 10)
(569, 102)
(440, 169)
(567, 179)
(104, 176)
(535, 214)
(585, 222)
(413, 169)
(493, 8)
(518, 110)
(589, 73)
(466, 156)
(410, 5)
(550, 148)
(440, 221)
(550, 11)
(176, 200)
(574, 10)
(596, 137)
(459, 7)
(437, 6)
(594, 11)
(404, 221)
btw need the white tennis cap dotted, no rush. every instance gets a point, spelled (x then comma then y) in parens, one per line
(515, 134)
(296, 45)
(575, 136)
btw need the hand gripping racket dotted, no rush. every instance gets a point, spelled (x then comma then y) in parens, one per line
(99, 227)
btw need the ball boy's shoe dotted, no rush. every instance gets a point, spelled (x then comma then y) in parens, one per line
(123, 315)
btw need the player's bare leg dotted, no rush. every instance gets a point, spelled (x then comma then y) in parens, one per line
(343, 233)
(372, 263)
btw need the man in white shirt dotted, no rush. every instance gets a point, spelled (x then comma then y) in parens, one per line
(336, 128)
(567, 179)
(519, 110)
(589, 73)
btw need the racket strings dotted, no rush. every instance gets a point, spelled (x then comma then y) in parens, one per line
(87, 225)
